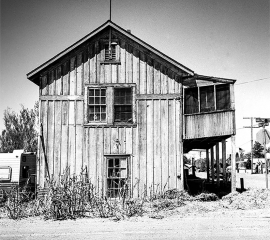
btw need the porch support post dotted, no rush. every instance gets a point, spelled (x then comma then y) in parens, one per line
(224, 161)
(207, 165)
(217, 163)
(212, 165)
(233, 166)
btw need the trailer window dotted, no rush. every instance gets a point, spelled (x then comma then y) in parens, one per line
(25, 171)
(5, 173)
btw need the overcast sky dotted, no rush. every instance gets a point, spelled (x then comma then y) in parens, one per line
(223, 38)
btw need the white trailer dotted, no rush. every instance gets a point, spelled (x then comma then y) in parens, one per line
(17, 169)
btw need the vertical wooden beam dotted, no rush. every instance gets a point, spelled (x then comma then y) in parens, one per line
(212, 165)
(224, 160)
(207, 165)
(180, 174)
(217, 163)
(233, 177)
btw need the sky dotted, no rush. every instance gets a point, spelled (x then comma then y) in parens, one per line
(225, 38)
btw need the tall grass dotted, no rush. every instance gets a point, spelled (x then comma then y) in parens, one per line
(74, 197)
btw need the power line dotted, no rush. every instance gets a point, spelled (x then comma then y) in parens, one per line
(261, 79)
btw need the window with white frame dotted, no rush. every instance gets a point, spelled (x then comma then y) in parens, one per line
(110, 104)
(97, 105)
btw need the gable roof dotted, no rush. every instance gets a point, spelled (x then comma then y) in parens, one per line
(34, 77)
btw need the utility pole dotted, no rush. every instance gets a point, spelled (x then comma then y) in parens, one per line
(251, 128)
(262, 123)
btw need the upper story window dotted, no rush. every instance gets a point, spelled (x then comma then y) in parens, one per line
(110, 104)
(207, 98)
(123, 104)
(207, 102)
(97, 104)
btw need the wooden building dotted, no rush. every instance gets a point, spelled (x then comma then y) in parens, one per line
(126, 112)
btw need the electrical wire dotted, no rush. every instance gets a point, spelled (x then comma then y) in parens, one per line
(261, 79)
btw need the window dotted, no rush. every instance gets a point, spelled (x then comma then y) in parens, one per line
(123, 105)
(207, 102)
(110, 52)
(5, 173)
(97, 104)
(207, 98)
(223, 96)
(25, 170)
(191, 101)
(117, 175)
(110, 104)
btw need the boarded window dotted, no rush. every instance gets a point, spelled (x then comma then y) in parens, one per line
(223, 96)
(207, 101)
(191, 101)
(96, 105)
(110, 52)
(123, 105)
(117, 174)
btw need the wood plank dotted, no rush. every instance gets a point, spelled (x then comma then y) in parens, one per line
(136, 67)
(50, 146)
(142, 148)
(72, 83)
(164, 80)
(122, 140)
(128, 143)
(58, 81)
(86, 150)
(164, 144)
(79, 137)
(65, 74)
(98, 60)
(157, 96)
(150, 76)
(64, 139)
(107, 140)
(150, 147)
(129, 68)
(143, 79)
(93, 62)
(122, 77)
(135, 164)
(114, 73)
(114, 140)
(99, 159)
(79, 78)
(171, 83)
(71, 138)
(92, 155)
(62, 98)
(157, 83)
(57, 139)
(102, 76)
(86, 65)
(51, 82)
(44, 85)
(157, 147)
(172, 145)
(178, 140)
(43, 121)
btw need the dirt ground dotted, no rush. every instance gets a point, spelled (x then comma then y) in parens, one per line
(238, 216)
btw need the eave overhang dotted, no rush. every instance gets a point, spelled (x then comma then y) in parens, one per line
(196, 79)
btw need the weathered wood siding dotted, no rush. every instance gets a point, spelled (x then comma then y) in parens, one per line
(209, 124)
(153, 142)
